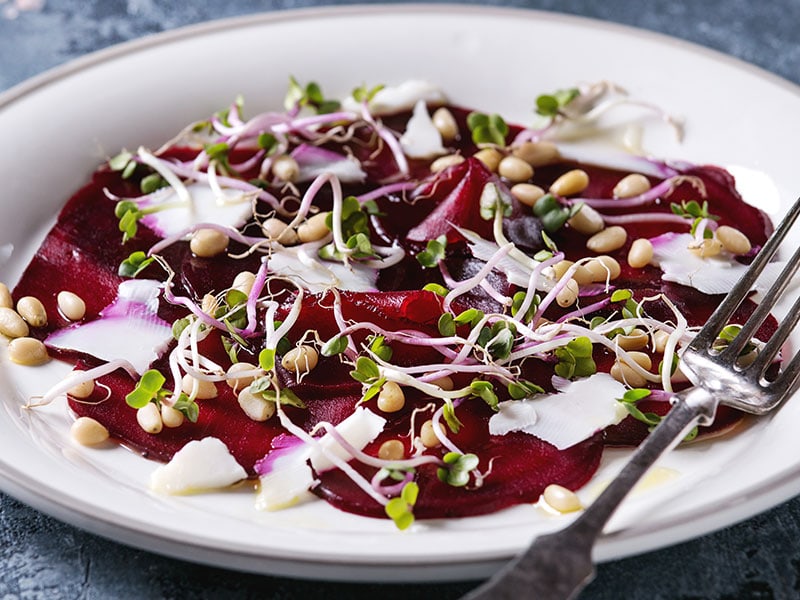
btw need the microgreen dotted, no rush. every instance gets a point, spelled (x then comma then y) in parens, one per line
(335, 345)
(379, 347)
(727, 335)
(457, 468)
(651, 419)
(128, 213)
(401, 509)
(550, 105)
(310, 96)
(436, 288)
(355, 230)
(123, 162)
(179, 325)
(366, 94)
(552, 213)
(498, 340)
(491, 201)
(266, 359)
(151, 183)
(575, 359)
(449, 414)
(485, 391)
(630, 309)
(135, 263)
(434, 252)
(150, 388)
(265, 388)
(366, 370)
(523, 389)
(695, 211)
(487, 129)
(516, 304)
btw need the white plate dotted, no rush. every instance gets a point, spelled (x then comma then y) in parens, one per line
(65, 122)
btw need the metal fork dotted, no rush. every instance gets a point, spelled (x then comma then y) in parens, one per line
(558, 565)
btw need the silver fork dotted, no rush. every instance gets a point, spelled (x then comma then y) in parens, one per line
(558, 565)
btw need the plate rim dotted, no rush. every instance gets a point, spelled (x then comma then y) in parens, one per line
(17, 484)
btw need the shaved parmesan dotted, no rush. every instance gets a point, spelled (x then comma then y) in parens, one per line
(232, 209)
(128, 328)
(422, 139)
(314, 161)
(394, 99)
(300, 264)
(712, 275)
(576, 413)
(199, 466)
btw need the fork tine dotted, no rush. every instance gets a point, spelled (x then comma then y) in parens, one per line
(722, 314)
(763, 309)
(774, 344)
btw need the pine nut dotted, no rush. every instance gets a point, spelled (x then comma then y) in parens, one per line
(706, 248)
(490, 157)
(635, 340)
(581, 274)
(88, 432)
(391, 397)
(561, 499)
(32, 310)
(610, 239)
(445, 383)
(313, 228)
(244, 281)
(71, 305)
(631, 185)
(640, 253)
(171, 417)
(254, 406)
(428, 436)
(236, 380)
(733, 240)
(149, 418)
(570, 183)
(27, 351)
(514, 169)
(275, 229)
(392, 450)
(206, 243)
(537, 154)
(640, 358)
(660, 338)
(445, 122)
(625, 374)
(587, 220)
(6, 301)
(205, 389)
(11, 324)
(568, 295)
(603, 268)
(285, 168)
(445, 162)
(82, 390)
(526, 193)
(301, 359)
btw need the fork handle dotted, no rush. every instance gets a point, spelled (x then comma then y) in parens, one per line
(558, 565)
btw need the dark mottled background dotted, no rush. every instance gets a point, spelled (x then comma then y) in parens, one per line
(41, 558)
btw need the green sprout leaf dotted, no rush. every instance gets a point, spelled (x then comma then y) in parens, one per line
(436, 288)
(457, 468)
(449, 414)
(379, 347)
(135, 263)
(485, 391)
(523, 389)
(366, 370)
(401, 509)
(551, 105)
(310, 96)
(146, 390)
(366, 94)
(491, 201)
(575, 359)
(189, 408)
(334, 346)
(266, 359)
(487, 129)
(434, 252)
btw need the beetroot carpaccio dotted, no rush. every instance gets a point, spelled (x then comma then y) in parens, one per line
(403, 307)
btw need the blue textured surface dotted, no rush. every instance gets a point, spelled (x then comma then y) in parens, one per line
(41, 558)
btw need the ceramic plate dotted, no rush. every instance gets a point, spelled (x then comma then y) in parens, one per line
(67, 121)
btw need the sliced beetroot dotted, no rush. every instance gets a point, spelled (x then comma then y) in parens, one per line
(520, 466)
(456, 197)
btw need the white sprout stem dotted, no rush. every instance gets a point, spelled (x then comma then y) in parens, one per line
(288, 322)
(533, 282)
(78, 377)
(231, 232)
(662, 189)
(388, 137)
(390, 256)
(222, 199)
(165, 169)
(468, 284)
(308, 198)
(252, 298)
(336, 217)
(440, 433)
(350, 352)
(401, 186)
(304, 123)
(495, 294)
(645, 218)
(501, 240)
